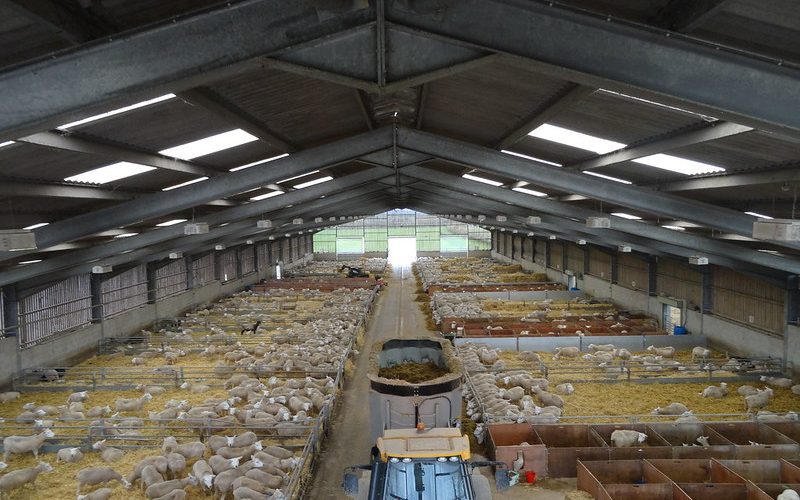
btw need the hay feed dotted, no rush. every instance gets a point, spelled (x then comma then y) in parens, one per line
(413, 372)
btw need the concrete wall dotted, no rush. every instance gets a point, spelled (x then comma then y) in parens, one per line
(73, 346)
(719, 333)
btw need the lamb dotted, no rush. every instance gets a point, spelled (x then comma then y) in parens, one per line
(245, 493)
(150, 476)
(796, 389)
(601, 347)
(513, 394)
(101, 494)
(243, 452)
(161, 489)
(567, 352)
(548, 398)
(270, 480)
(623, 438)
(788, 494)
(164, 416)
(204, 474)
(99, 475)
(687, 417)
(176, 464)
(666, 352)
(758, 400)
(224, 481)
(173, 495)
(784, 383)
(278, 452)
(107, 453)
(69, 455)
(98, 411)
(220, 464)
(21, 477)
(700, 352)
(195, 388)
(78, 397)
(25, 444)
(154, 390)
(622, 353)
(244, 439)
(159, 462)
(747, 390)
(565, 388)
(7, 397)
(135, 404)
(768, 416)
(189, 450)
(713, 391)
(671, 409)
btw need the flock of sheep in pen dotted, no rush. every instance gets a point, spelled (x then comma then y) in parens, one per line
(239, 431)
(515, 391)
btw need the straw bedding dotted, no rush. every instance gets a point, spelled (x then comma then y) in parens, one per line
(413, 372)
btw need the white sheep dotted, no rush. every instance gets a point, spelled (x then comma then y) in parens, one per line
(548, 398)
(101, 494)
(758, 400)
(78, 397)
(796, 389)
(220, 464)
(713, 391)
(69, 455)
(21, 477)
(671, 409)
(747, 390)
(567, 352)
(204, 474)
(98, 411)
(512, 394)
(622, 353)
(788, 494)
(666, 352)
(159, 462)
(7, 397)
(135, 404)
(566, 388)
(768, 416)
(176, 464)
(601, 347)
(195, 388)
(107, 453)
(784, 383)
(700, 352)
(191, 450)
(687, 417)
(161, 489)
(624, 438)
(150, 476)
(98, 475)
(25, 444)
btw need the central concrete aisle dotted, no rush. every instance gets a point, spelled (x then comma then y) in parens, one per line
(348, 443)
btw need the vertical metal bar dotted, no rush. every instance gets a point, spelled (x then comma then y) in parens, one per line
(652, 273)
(708, 289)
(380, 41)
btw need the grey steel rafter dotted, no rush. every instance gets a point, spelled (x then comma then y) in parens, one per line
(695, 135)
(780, 175)
(79, 143)
(609, 53)
(57, 17)
(632, 228)
(663, 204)
(686, 15)
(568, 95)
(218, 187)
(308, 198)
(217, 104)
(173, 55)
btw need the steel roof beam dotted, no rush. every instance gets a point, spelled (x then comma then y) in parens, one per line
(772, 176)
(686, 15)
(228, 184)
(641, 198)
(610, 53)
(633, 228)
(58, 18)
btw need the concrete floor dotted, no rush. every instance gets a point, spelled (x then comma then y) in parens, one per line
(395, 315)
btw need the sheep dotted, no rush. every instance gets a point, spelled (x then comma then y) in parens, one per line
(21, 477)
(796, 389)
(622, 353)
(788, 494)
(245, 493)
(164, 416)
(768, 416)
(269, 479)
(759, 400)
(99, 475)
(173, 495)
(220, 464)
(666, 352)
(170, 358)
(101, 494)
(277, 452)
(7, 397)
(195, 449)
(244, 439)
(784, 383)
(601, 347)
(224, 481)
(158, 461)
(195, 388)
(244, 452)
(107, 453)
(176, 464)
(700, 352)
(24, 444)
(713, 391)
(204, 474)
(747, 390)
(155, 390)
(150, 476)
(623, 438)
(565, 388)
(513, 394)
(78, 397)
(567, 352)
(98, 411)
(262, 485)
(161, 489)
(69, 455)
(687, 417)
(671, 409)
(548, 398)
(135, 404)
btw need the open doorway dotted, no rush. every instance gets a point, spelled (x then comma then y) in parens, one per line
(402, 252)
(672, 318)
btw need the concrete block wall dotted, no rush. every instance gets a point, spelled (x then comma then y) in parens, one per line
(719, 333)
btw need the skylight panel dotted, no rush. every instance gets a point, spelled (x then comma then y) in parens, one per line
(36, 226)
(266, 195)
(110, 173)
(659, 104)
(313, 183)
(208, 145)
(34, 261)
(575, 139)
(176, 186)
(298, 176)
(679, 165)
(626, 216)
(126, 235)
(259, 162)
(6, 143)
(530, 192)
(754, 214)
(482, 180)
(506, 151)
(674, 228)
(116, 112)
(607, 177)
(170, 222)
